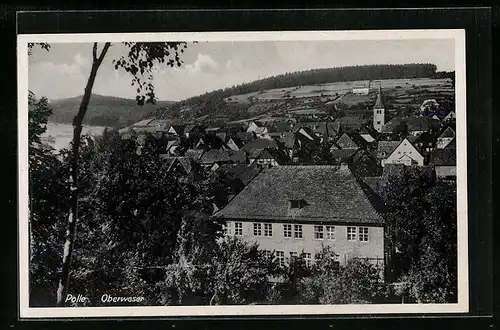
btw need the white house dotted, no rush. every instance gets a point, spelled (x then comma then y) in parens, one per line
(399, 152)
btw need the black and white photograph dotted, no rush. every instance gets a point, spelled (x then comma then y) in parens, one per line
(242, 173)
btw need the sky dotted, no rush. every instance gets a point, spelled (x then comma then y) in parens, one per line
(63, 71)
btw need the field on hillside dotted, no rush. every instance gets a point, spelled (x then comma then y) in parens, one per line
(333, 90)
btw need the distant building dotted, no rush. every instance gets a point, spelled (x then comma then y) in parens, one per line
(444, 162)
(446, 136)
(361, 89)
(379, 112)
(298, 210)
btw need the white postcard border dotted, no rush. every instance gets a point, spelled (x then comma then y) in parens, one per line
(173, 311)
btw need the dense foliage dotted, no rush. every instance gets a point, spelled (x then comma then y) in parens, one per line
(47, 206)
(422, 228)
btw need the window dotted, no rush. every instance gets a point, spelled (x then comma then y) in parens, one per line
(297, 231)
(363, 234)
(287, 230)
(307, 258)
(227, 228)
(257, 229)
(268, 254)
(268, 230)
(297, 203)
(280, 255)
(293, 255)
(317, 257)
(330, 232)
(378, 122)
(351, 233)
(238, 228)
(318, 232)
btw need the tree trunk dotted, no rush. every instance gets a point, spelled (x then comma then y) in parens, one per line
(62, 290)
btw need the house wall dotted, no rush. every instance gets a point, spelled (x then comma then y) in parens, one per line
(361, 90)
(373, 249)
(404, 149)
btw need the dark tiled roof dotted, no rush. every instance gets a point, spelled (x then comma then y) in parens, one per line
(413, 123)
(243, 172)
(443, 157)
(342, 154)
(452, 144)
(331, 193)
(385, 148)
(215, 155)
(223, 156)
(259, 144)
(379, 102)
(346, 142)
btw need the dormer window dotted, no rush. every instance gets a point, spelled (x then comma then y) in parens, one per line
(297, 203)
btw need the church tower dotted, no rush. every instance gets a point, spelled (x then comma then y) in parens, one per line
(379, 111)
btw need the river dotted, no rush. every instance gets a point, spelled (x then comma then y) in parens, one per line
(59, 135)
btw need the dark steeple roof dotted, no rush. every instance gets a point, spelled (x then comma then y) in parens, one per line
(379, 103)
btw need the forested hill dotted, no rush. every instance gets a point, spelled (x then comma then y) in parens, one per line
(104, 110)
(322, 76)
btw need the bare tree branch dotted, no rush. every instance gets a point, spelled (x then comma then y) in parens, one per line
(94, 52)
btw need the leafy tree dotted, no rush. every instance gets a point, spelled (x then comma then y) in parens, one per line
(47, 205)
(421, 224)
(139, 61)
(358, 281)
(232, 272)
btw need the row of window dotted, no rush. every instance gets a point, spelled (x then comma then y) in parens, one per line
(280, 256)
(295, 231)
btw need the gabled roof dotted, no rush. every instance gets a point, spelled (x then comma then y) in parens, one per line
(346, 142)
(211, 141)
(179, 129)
(448, 132)
(237, 141)
(222, 136)
(385, 148)
(243, 172)
(443, 157)
(185, 163)
(331, 193)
